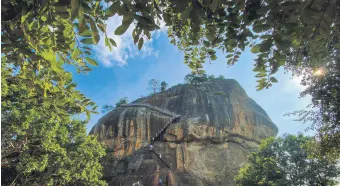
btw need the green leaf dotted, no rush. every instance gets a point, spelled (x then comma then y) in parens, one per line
(113, 42)
(148, 34)
(308, 12)
(74, 9)
(49, 55)
(122, 29)
(261, 28)
(127, 18)
(263, 10)
(291, 6)
(85, 6)
(210, 36)
(71, 86)
(86, 33)
(179, 5)
(195, 21)
(25, 15)
(144, 20)
(87, 41)
(261, 75)
(273, 79)
(113, 9)
(324, 29)
(229, 55)
(255, 49)
(216, 41)
(75, 53)
(107, 43)
(259, 87)
(211, 51)
(82, 24)
(215, 4)
(101, 27)
(167, 19)
(95, 34)
(266, 45)
(281, 43)
(91, 61)
(140, 43)
(310, 16)
(206, 43)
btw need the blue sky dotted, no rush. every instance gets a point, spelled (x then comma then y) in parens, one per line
(125, 72)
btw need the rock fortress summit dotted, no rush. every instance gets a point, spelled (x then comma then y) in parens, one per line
(187, 135)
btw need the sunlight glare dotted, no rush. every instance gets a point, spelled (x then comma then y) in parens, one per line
(319, 72)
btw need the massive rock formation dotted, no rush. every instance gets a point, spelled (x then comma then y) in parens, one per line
(218, 126)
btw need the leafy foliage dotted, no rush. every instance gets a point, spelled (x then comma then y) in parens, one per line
(154, 85)
(324, 87)
(281, 33)
(286, 161)
(39, 37)
(220, 77)
(107, 108)
(163, 86)
(122, 101)
(211, 77)
(40, 142)
(288, 33)
(195, 79)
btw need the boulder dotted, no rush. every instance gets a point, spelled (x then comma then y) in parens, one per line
(204, 134)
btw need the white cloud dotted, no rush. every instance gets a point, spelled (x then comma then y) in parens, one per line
(125, 49)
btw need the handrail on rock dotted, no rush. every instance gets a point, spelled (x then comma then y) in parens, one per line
(152, 107)
(174, 118)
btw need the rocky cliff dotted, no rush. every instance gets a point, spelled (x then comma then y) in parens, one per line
(202, 134)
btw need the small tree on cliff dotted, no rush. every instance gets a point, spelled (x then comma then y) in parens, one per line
(220, 77)
(211, 77)
(107, 108)
(287, 161)
(154, 85)
(195, 79)
(163, 86)
(122, 101)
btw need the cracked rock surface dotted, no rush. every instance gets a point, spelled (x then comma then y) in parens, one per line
(219, 126)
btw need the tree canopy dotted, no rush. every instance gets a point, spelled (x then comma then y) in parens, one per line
(122, 101)
(40, 142)
(163, 86)
(154, 85)
(287, 161)
(281, 33)
(108, 108)
(324, 112)
(197, 79)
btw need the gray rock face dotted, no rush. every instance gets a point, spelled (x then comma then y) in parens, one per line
(218, 127)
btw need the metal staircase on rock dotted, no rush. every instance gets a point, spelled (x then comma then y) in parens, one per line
(174, 118)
